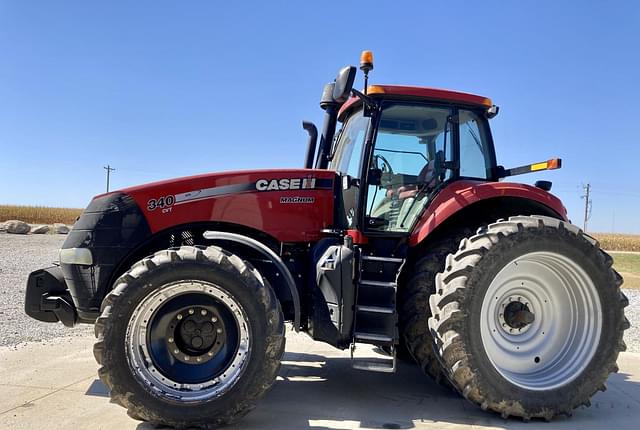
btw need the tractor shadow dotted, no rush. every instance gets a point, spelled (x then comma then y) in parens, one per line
(320, 393)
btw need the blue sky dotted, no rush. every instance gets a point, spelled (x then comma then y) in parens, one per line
(163, 89)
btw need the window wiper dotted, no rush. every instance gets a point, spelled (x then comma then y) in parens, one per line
(476, 138)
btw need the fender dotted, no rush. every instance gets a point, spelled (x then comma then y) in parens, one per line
(460, 194)
(268, 253)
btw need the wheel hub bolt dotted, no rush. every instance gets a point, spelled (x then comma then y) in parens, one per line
(203, 312)
(186, 358)
(170, 340)
(219, 330)
(179, 316)
(176, 351)
(191, 311)
(210, 353)
(214, 319)
(198, 359)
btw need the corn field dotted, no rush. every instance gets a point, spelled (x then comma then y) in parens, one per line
(618, 242)
(39, 214)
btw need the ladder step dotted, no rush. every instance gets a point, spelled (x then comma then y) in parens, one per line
(379, 284)
(386, 259)
(387, 365)
(373, 337)
(376, 309)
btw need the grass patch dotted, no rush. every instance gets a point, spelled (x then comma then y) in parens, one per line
(629, 263)
(39, 214)
(629, 267)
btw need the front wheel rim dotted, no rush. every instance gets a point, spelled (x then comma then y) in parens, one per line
(167, 355)
(541, 321)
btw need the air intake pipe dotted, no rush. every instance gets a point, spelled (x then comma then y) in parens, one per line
(311, 148)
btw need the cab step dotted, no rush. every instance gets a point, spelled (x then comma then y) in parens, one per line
(373, 338)
(384, 365)
(378, 284)
(375, 332)
(376, 309)
(364, 357)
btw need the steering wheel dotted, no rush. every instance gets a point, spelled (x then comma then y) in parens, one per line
(386, 166)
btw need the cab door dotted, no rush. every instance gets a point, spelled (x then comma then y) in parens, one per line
(346, 160)
(413, 154)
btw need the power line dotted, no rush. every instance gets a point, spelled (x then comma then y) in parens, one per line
(587, 205)
(109, 169)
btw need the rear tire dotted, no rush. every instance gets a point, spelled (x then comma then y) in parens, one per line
(416, 342)
(528, 318)
(221, 352)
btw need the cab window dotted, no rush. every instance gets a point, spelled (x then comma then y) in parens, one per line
(348, 149)
(475, 159)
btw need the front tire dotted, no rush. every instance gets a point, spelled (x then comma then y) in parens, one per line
(190, 336)
(528, 317)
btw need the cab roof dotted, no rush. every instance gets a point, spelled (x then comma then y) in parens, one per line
(427, 93)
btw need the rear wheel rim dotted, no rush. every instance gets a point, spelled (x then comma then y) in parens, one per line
(188, 341)
(541, 321)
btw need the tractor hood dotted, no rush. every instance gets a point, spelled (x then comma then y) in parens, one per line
(289, 204)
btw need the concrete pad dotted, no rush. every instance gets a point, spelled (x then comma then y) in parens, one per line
(52, 365)
(14, 396)
(54, 386)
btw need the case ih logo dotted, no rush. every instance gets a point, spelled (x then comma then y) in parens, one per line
(285, 184)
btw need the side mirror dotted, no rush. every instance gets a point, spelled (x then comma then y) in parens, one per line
(344, 84)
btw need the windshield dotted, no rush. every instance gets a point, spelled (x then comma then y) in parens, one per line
(348, 149)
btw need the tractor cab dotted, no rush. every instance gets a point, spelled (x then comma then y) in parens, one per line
(398, 146)
(395, 155)
(397, 150)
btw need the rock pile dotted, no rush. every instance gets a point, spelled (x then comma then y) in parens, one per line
(17, 227)
(40, 229)
(60, 228)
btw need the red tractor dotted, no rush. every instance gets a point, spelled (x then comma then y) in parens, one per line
(398, 233)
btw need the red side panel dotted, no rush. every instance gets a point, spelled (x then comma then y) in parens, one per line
(292, 205)
(461, 194)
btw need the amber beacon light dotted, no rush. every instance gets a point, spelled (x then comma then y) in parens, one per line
(366, 65)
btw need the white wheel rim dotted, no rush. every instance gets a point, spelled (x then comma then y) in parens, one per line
(140, 360)
(557, 346)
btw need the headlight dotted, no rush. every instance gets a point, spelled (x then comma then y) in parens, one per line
(80, 256)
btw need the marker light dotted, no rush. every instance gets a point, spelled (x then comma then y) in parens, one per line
(366, 61)
(554, 163)
(376, 89)
(539, 166)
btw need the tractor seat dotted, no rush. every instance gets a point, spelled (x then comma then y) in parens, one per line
(426, 175)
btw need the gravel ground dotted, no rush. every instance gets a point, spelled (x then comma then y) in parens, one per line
(20, 255)
(632, 335)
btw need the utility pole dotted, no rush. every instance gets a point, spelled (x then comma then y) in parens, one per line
(587, 205)
(109, 169)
